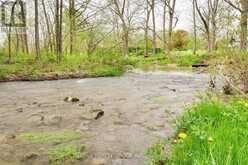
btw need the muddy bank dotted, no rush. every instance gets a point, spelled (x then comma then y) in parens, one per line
(140, 108)
(45, 77)
(81, 75)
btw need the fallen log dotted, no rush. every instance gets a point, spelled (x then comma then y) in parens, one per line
(200, 65)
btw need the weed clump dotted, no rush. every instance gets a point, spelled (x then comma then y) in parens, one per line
(67, 153)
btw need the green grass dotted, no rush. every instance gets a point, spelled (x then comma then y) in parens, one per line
(186, 58)
(106, 71)
(157, 153)
(67, 153)
(216, 132)
(181, 58)
(91, 66)
(24, 66)
(46, 137)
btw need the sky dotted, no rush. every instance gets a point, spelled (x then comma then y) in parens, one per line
(184, 11)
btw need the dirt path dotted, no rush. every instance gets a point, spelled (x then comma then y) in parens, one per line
(139, 110)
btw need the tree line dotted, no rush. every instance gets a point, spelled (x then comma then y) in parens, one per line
(73, 26)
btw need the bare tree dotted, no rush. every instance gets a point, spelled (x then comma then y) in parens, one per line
(194, 27)
(208, 17)
(171, 7)
(154, 42)
(164, 24)
(146, 28)
(214, 6)
(58, 28)
(47, 25)
(37, 35)
(242, 7)
(126, 11)
(72, 18)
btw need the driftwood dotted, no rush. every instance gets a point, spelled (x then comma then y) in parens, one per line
(200, 65)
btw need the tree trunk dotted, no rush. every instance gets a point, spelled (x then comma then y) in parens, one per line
(72, 23)
(37, 38)
(243, 21)
(48, 26)
(58, 28)
(146, 42)
(164, 28)
(213, 9)
(171, 17)
(169, 47)
(25, 38)
(154, 42)
(194, 27)
(9, 46)
(213, 42)
(148, 12)
(209, 42)
(17, 41)
(208, 29)
(126, 41)
(243, 33)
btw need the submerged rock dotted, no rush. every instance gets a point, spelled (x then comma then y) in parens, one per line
(99, 115)
(82, 105)
(74, 99)
(71, 99)
(68, 99)
(19, 110)
(29, 156)
(94, 114)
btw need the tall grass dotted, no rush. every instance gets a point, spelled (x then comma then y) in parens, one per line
(216, 134)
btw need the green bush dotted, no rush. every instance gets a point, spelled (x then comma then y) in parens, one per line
(180, 39)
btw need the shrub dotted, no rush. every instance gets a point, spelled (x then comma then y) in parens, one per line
(180, 39)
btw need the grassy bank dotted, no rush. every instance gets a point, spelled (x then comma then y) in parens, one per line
(210, 132)
(72, 66)
(24, 67)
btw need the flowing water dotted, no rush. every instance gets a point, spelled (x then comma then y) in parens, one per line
(140, 108)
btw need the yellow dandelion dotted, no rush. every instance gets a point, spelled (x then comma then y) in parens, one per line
(174, 141)
(182, 136)
(210, 140)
